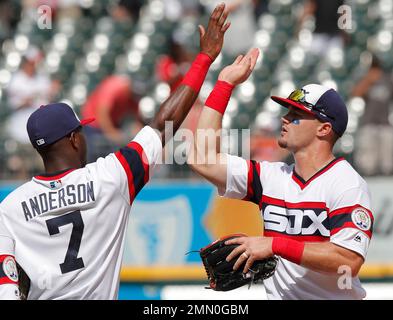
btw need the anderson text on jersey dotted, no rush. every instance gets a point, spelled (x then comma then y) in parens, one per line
(67, 196)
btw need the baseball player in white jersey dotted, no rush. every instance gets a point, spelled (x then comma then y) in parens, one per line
(316, 212)
(65, 229)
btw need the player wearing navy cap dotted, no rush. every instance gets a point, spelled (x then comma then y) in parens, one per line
(52, 122)
(66, 227)
(316, 212)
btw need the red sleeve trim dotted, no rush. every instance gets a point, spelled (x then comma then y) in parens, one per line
(348, 210)
(6, 280)
(3, 256)
(350, 225)
(130, 177)
(145, 162)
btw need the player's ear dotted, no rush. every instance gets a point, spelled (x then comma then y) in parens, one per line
(73, 140)
(325, 129)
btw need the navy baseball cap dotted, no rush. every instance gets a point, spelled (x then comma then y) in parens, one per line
(51, 122)
(323, 102)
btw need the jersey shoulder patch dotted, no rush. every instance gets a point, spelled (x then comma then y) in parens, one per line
(8, 271)
(361, 218)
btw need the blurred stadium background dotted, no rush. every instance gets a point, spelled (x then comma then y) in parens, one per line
(89, 40)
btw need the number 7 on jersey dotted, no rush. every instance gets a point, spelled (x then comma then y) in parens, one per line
(71, 261)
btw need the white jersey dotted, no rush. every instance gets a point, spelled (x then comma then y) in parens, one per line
(333, 205)
(67, 230)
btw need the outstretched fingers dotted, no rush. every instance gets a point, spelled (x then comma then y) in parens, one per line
(238, 59)
(225, 27)
(217, 13)
(218, 18)
(246, 65)
(212, 38)
(223, 18)
(202, 31)
(254, 54)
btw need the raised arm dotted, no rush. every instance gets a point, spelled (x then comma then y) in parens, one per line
(177, 106)
(205, 157)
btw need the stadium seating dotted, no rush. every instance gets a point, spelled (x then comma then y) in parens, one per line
(81, 52)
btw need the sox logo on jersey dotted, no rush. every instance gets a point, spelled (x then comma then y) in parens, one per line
(295, 221)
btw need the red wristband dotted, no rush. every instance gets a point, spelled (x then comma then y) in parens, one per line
(196, 75)
(219, 97)
(291, 250)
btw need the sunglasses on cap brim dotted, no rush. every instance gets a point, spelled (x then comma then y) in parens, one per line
(299, 96)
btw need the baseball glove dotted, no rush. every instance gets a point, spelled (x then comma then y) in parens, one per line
(220, 273)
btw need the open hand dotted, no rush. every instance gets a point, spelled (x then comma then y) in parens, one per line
(240, 70)
(212, 39)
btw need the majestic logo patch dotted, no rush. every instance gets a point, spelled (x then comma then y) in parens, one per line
(361, 219)
(9, 268)
(358, 238)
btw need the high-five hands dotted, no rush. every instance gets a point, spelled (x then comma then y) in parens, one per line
(212, 39)
(240, 70)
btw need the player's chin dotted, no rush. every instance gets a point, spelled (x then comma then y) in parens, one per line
(282, 142)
